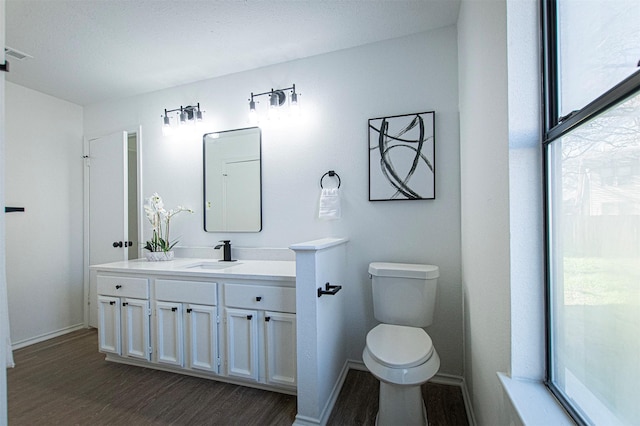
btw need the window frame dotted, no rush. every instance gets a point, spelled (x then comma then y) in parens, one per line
(554, 127)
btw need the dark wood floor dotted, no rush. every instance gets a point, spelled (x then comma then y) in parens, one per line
(65, 381)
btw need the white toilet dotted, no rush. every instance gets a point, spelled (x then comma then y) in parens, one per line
(399, 352)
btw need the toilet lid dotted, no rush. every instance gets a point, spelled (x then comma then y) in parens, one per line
(399, 346)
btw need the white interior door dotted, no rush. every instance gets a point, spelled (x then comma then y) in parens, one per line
(108, 209)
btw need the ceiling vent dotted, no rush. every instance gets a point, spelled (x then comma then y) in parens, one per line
(16, 54)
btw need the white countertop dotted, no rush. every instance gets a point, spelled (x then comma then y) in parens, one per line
(320, 244)
(241, 269)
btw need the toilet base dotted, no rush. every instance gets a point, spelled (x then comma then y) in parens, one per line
(401, 405)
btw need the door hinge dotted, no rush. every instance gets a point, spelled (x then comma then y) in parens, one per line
(149, 311)
(217, 319)
(219, 362)
(150, 350)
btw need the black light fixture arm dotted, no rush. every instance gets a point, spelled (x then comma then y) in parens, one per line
(255, 95)
(279, 93)
(189, 109)
(189, 112)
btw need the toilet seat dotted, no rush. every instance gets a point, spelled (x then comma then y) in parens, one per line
(397, 346)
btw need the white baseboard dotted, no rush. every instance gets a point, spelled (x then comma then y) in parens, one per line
(467, 403)
(41, 338)
(305, 421)
(357, 365)
(328, 408)
(447, 379)
(333, 397)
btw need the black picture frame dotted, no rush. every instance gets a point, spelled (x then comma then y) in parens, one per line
(402, 157)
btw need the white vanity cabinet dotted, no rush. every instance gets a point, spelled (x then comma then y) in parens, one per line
(234, 323)
(124, 316)
(260, 327)
(186, 324)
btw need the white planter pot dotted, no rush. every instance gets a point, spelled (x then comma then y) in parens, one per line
(157, 256)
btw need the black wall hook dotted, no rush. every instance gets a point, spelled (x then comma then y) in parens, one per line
(330, 173)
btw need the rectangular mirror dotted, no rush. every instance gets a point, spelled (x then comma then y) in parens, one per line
(233, 181)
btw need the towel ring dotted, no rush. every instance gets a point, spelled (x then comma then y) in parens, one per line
(330, 173)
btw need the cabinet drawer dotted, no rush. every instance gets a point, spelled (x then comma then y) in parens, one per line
(123, 286)
(202, 293)
(280, 299)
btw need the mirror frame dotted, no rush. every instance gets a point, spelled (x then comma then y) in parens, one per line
(204, 176)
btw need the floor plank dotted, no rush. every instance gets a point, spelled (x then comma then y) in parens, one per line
(66, 381)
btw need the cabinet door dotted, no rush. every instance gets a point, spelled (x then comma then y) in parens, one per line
(109, 324)
(169, 331)
(280, 344)
(242, 343)
(135, 315)
(203, 337)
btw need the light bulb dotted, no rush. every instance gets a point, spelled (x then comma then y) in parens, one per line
(294, 105)
(273, 100)
(253, 117)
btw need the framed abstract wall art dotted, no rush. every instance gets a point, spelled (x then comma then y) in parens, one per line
(402, 157)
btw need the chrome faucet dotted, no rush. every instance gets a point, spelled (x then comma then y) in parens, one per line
(226, 250)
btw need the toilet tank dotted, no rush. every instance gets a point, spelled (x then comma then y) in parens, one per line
(404, 293)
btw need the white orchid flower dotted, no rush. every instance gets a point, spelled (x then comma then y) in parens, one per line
(160, 219)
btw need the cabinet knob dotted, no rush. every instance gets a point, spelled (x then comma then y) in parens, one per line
(174, 309)
(112, 302)
(267, 319)
(258, 298)
(189, 310)
(118, 287)
(117, 243)
(124, 303)
(249, 317)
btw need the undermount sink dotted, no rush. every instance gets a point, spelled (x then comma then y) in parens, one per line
(214, 265)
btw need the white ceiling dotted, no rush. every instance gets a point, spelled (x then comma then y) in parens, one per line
(87, 51)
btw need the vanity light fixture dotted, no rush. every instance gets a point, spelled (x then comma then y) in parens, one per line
(277, 99)
(185, 114)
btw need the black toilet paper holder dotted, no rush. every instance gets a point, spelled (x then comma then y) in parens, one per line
(329, 289)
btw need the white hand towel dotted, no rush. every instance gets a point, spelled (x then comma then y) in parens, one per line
(329, 204)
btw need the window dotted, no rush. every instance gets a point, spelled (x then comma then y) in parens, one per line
(598, 47)
(592, 170)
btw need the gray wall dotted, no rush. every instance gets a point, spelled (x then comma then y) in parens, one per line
(44, 244)
(502, 268)
(484, 163)
(340, 92)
